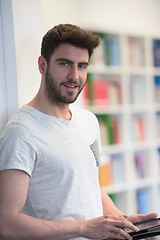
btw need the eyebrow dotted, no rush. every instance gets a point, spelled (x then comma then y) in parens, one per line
(69, 61)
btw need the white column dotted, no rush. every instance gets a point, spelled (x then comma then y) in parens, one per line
(29, 30)
(8, 77)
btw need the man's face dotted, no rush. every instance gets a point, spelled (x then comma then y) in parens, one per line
(66, 73)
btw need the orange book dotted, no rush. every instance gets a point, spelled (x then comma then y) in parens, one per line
(105, 175)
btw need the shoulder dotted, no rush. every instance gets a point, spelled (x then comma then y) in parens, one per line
(25, 116)
(18, 124)
(84, 117)
(17, 133)
(82, 113)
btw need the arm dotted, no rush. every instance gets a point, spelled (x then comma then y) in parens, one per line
(110, 208)
(15, 225)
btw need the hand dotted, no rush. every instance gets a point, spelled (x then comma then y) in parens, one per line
(141, 217)
(107, 227)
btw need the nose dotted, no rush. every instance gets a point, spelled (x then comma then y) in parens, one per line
(73, 73)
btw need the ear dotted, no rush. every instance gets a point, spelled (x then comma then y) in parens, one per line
(42, 65)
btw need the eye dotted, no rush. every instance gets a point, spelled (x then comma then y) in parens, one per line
(63, 64)
(83, 66)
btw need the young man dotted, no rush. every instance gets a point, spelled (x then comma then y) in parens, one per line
(49, 153)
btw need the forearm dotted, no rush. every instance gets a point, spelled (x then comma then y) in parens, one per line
(109, 207)
(21, 226)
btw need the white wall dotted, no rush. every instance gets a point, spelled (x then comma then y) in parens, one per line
(29, 29)
(139, 16)
(32, 17)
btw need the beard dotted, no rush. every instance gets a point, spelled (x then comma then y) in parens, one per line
(54, 94)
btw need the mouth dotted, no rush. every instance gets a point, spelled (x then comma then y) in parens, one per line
(70, 86)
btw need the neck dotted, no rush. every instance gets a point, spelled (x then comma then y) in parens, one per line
(56, 110)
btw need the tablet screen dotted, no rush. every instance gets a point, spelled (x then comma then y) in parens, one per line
(150, 225)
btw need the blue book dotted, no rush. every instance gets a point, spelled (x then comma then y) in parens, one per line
(156, 52)
(114, 51)
(143, 201)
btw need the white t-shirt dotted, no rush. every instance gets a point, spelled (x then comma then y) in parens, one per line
(61, 157)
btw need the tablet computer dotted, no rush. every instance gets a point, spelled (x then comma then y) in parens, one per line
(147, 229)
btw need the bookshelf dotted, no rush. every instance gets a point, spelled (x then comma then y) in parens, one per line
(123, 90)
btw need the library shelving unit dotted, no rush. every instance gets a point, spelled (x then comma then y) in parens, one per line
(123, 90)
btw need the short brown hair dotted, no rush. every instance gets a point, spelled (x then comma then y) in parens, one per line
(68, 33)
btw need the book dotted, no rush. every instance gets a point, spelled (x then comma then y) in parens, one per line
(156, 52)
(116, 130)
(118, 168)
(96, 91)
(106, 49)
(138, 128)
(108, 53)
(140, 165)
(88, 97)
(115, 93)
(104, 134)
(157, 125)
(105, 171)
(98, 57)
(137, 85)
(105, 175)
(142, 201)
(114, 51)
(100, 92)
(157, 88)
(136, 52)
(110, 127)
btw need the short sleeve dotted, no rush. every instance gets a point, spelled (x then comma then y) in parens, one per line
(17, 149)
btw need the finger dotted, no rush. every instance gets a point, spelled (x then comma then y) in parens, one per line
(120, 233)
(123, 223)
(140, 217)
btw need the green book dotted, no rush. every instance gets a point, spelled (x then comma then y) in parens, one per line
(106, 49)
(90, 89)
(105, 38)
(107, 119)
(109, 128)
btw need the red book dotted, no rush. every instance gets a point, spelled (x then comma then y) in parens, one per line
(141, 131)
(101, 92)
(116, 130)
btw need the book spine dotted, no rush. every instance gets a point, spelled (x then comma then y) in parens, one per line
(114, 51)
(156, 52)
(90, 89)
(100, 92)
(143, 201)
(105, 171)
(106, 49)
(109, 127)
(157, 88)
